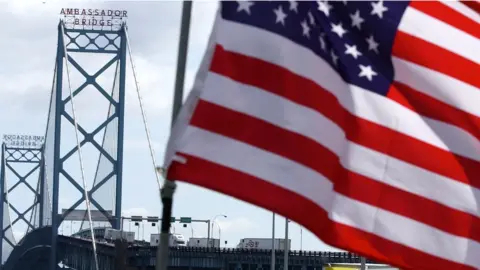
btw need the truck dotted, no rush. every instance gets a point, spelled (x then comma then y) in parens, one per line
(263, 243)
(112, 234)
(175, 240)
(203, 242)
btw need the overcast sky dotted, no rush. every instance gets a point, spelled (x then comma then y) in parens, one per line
(28, 41)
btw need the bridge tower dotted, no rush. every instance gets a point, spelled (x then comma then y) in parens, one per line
(21, 174)
(102, 43)
(81, 45)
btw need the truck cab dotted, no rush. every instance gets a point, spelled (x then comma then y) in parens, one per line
(178, 240)
(175, 240)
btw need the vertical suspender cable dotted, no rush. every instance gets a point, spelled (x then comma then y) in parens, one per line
(144, 116)
(87, 200)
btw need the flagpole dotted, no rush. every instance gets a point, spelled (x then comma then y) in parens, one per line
(169, 186)
(363, 262)
(272, 266)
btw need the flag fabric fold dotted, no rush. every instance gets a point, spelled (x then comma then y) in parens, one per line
(358, 120)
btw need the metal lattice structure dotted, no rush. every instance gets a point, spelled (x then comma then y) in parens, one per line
(26, 155)
(111, 43)
(49, 159)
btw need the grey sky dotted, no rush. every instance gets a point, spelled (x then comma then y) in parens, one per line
(27, 55)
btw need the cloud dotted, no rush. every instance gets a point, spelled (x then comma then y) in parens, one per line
(28, 49)
(136, 211)
(142, 144)
(236, 225)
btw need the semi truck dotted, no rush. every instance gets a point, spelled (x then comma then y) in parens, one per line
(175, 240)
(263, 243)
(112, 234)
(203, 242)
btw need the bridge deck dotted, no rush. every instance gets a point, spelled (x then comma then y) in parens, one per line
(78, 254)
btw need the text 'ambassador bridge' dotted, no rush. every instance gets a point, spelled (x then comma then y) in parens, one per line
(53, 164)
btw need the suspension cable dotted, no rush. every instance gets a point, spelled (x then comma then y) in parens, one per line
(145, 123)
(87, 200)
(46, 180)
(35, 208)
(42, 154)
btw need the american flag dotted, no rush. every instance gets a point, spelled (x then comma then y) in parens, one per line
(358, 120)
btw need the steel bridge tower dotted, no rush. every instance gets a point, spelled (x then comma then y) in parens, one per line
(22, 159)
(108, 177)
(49, 155)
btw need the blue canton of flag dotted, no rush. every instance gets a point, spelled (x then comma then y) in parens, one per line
(355, 38)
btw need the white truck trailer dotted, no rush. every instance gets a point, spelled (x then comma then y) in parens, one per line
(112, 234)
(203, 242)
(263, 243)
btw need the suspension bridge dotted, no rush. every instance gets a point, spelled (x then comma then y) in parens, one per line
(46, 158)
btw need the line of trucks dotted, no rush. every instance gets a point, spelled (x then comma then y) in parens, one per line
(178, 240)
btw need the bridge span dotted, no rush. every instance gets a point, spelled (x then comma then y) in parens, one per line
(77, 253)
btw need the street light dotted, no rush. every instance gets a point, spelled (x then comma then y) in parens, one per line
(219, 230)
(219, 235)
(301, 238)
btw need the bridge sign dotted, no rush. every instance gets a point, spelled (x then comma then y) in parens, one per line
(185, 220)
(23, 141)
(95, 19)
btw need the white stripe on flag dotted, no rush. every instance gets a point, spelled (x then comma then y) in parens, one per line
(315, 187)
(298, 119)
(394, 115)
(423, 26)
(438, 85)
(464, 10)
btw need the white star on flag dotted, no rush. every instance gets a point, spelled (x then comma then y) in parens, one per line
(352, 50)
(280, 15)
(366, 71)
(378, 9)
(245, 6)
(338, 29)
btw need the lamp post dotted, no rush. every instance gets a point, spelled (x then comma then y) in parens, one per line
(219, 235)
(301, 238)
(213, 222)
(286, 247)
(273, 243)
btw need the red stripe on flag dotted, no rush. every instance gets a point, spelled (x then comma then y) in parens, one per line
(431, 56)
(303, 211)
(303, 150)
(282, 82)
(473, 4)
(448, 15)
(434, 109)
